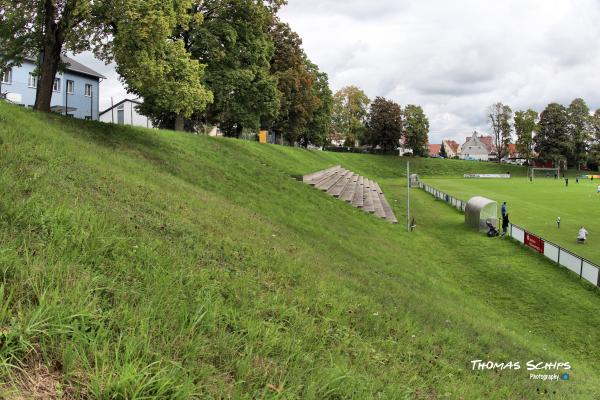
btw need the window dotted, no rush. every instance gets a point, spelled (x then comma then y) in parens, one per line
(56, 86)
(7, 76)
(32, 83)
(88, 90)
(70, 87)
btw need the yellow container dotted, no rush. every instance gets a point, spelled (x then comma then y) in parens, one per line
(262, 137)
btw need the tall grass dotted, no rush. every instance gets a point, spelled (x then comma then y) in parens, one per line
(142, 264)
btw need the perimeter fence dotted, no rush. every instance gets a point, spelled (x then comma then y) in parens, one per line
(581, 266)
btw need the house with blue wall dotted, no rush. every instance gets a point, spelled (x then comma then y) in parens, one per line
(76, 91)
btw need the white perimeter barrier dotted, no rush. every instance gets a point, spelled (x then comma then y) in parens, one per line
(584, 268)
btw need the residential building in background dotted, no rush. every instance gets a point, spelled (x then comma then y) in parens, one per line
(477, 148)
(452, 148)
(434, 150)
(76, 91)
(125, 112)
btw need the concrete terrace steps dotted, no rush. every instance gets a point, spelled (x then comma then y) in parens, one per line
(359, 191)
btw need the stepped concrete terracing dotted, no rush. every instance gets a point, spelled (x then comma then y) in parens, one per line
(354, 189)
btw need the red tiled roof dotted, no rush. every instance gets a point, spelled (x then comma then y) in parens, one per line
(488, 142)
(453, 145)
(434, 149)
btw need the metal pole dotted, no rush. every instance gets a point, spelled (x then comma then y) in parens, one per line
(112, 109)
(408, 195)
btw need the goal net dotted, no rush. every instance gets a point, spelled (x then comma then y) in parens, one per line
(544, 173)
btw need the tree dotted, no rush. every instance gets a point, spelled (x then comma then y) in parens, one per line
(289, 66)
(44, 30)
(595, 147)
(232, 39)
(525, 127)
(320, 123)
(552, 143)
(416, 130)
(580, 131)
(350, 112)
(155, 65)
(384, 124)
(443, 152)
(499, 117)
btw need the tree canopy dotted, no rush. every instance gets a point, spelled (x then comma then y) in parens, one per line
(384, 124)
(350, 113)
(525, 127)
(305, 106)
(552, 143)
(416, 130)
(155, 65)
(580, 131)
(499, 117)
(233, 41)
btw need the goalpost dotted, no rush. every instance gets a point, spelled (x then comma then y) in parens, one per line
(547, 172)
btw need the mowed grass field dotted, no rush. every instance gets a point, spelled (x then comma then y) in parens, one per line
(147, 264)
(536, 205)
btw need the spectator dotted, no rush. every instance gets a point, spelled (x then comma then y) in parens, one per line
(505, 223)
(582, 236)
(503, 210)
(577, 179)
(567, 182)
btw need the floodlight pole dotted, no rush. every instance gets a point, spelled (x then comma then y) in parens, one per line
(408, 195)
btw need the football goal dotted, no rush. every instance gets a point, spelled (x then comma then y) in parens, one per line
(543, 172)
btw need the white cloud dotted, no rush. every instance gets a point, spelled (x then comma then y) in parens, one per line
(454, 58)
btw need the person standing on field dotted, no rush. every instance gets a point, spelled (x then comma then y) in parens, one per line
(503, 209)
(567, 182)
(505, 223)
(558, 222)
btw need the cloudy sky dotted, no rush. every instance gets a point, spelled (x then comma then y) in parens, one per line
(454, 58)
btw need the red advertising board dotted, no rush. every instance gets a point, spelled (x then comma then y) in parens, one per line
(534, 242)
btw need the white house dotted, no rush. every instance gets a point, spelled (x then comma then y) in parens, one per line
(477, 148)
(126, 112)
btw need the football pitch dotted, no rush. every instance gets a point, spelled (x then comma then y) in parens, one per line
(536, 205)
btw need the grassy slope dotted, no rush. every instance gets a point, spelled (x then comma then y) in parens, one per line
(536, 205)
(155, 264)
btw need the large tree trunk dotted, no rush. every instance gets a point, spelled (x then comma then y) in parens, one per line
(48, 70)
(179, 123)
(53, 43)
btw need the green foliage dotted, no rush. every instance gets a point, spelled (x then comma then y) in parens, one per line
(320, 124)
(416, 130)
(233, 41)
(552, 143)
(350, 113)
(384, 124)
(595, 140)
(499, 117)
(443, 152)
(305, 95)
(580, 131)
(525, 126)
(153, 65)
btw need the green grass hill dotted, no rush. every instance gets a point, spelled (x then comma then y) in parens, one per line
(146, 264)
